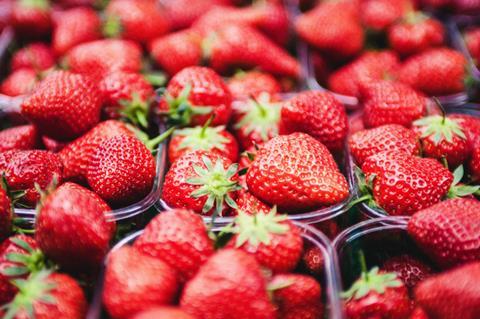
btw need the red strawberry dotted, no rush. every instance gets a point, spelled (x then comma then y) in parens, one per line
(308, 175)
(470, 125)
(418, 313)
(364, 143)
(416, 33)
(304, 312)
(204, 182)
(380, 14)
(73, 27)
(64, 105)
(251, 84)
(240, 276)
(474, 163)
(36, 56)
(182, 13)
(135, 282)
(448, 231)
(19, 82)
(332, 27)
(180, 238)
(6, 213)
(377, 294)
(472, 41)
(435, 72)
(443, 137)
(163, 312)
(52, 145)
(137, 20)
(24, 137)
(388, 102)
(404, 184)
(292, 291)
(452, 294)
(121, 170)
(314, 260)
(368, 67)
(318, 114)
(249, 204)
(25, 168)
(31, 18)
(72, 228)
(194, 94)
(410, 270)
(187, 52)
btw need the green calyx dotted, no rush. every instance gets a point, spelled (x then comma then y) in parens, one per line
(458, 189)
(43, 5)
(414, 17)
(261, 115)
(372, 281)
(440, 128)
(202, 138)
(31, 262)
(151, 144)
(216, 183)
(135, 110)
(365, 190)
(14, 196)
(112, 27)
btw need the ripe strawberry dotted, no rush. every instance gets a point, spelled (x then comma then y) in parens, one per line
(309, 176)
(178, 237)
(368, 67)
(31, 18)
(318, 114)
(364, 143)
(380, 14)
(410, 270)
(36, 56)
(472, 41)
(24, 137)
(135, 282)
(204, 182)
(304, 312)
(418, 313)
(194, 94)
(72, 229)
(404, 184)
(48, 295)
(249, 204)
(121, 170)
(19, 82)
(182, 13)
(452, 294)
(163, 312)
(448, 231)
(415, 33)
(387, 102)
(64, 105)
(52, 145)
(73, 27)
(314, 260)
(435, 72)
(332, 27)
(443, 137)
(470, 125)
(136, 20)
(474, 163)
(377, 294)
(292, 291)
(251, 84)
(240, 276)
(25, 168)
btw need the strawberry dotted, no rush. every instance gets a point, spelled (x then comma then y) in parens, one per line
(180, 238)
(249, 204)
(410, 270)
(314, 260)
(121, 170)
(6, 213)
(31, 17)
(470, 125)
(188, 51)
(36, 56)
(332, 27)
(163, 312)
(452, 294)
(74, 26)
(474, 163)
(380, 14)
(310, 177)
(364, 143)
(182, 13)
(443, 137)
(369, 66)
(72, 229)
(135, 282)
(304, 312)
(418, 313)
(318, 114)
(52, 145)
(251, 84)
(240, 276)
(472, 41)
(415, 33)
(136, 20)
(404, 184)
(448, 231)
(292, 291)
(435, 72)
(204, 182)
(193, 95)
(388, 102)
(25, 168)
(19, 82)
(64, 105)
(24, 137)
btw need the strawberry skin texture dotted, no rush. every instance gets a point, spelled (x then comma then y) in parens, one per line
(418, 313)
(249, 204)
(302, 291)
(470, 125)
(72, 229)
(178, 237)
(163, 312)
(304, 312)
(380, 14)
(318, 114)
(411, 271)
(364, 143)
(122, 170)
(19, 82)
(448, 231)
(245, 85)
(36, 56)
(239, 275)
(474, 163)
(135, 282)
(405, 184)
(24, 137)
(6, 215)
(64, 105)
(53, 145)
(435, 72)
(313, 260)
(297, 173)
(182, 13)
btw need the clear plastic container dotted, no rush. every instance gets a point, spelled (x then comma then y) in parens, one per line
(311, 238)
(456, 26)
